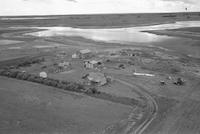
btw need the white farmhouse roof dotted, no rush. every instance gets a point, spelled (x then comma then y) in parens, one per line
(62, 64)
(93, 62)
(85, 51)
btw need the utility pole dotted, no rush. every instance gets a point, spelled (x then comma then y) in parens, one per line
(187, 14)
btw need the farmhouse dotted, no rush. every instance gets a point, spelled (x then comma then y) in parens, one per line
(92, 64)
(64, 65)
(82, 54)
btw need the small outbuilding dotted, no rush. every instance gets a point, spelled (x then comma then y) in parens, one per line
(43, 74)
(92, 64)
(64, 65)
(82, 54)
(75, 56)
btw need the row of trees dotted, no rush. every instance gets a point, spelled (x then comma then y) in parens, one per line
(70, 86)
(30, 62)
(20, 62)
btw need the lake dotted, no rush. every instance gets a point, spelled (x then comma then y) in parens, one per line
(116, 35)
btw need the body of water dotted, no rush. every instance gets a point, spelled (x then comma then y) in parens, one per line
(116, 35)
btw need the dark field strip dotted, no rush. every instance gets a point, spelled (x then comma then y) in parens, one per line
(17, 62)
(174, 33)
(13, 62)
(188, 29)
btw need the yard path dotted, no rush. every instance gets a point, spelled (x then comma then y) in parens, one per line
(152, 108)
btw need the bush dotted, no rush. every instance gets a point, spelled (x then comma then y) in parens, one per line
(7, 73)
(20, 75)
(70, 87)
(24, 64)
(25, 76)
(92, 90)
(38, 79)
(31, 78)
(1, 72)
(60, 85)
(122, 66)
(46, 81)
(65, 82)
(43, 67)
(14, 74)
(73, 87)
(53, 83)
(80, 86)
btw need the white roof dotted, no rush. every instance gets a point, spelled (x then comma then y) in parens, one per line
(85, 51)
(43, 74)
(63, 64)
(93, 62)
(143, 74)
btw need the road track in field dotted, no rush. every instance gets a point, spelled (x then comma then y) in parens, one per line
(151, 103)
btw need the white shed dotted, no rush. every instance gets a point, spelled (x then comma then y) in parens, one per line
(43, 74)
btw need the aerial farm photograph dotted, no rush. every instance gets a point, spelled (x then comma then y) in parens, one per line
(99, 67)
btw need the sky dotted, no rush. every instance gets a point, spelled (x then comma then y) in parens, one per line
(56, 7)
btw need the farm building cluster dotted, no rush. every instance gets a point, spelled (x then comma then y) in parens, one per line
(95, 68)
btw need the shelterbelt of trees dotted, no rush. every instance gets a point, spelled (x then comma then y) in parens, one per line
(9, 69)
(71, 86)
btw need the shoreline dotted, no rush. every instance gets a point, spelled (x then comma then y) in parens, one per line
(175, 33)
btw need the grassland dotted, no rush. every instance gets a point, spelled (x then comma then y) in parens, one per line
(32, 108)
(28, 107)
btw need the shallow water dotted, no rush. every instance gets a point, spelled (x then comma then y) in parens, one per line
(116, 35)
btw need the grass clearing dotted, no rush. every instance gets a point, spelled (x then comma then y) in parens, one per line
(32, 108)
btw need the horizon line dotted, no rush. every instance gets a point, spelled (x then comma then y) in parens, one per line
(98, 14)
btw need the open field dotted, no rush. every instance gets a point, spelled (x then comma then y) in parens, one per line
(141, 94)
(32, 108)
